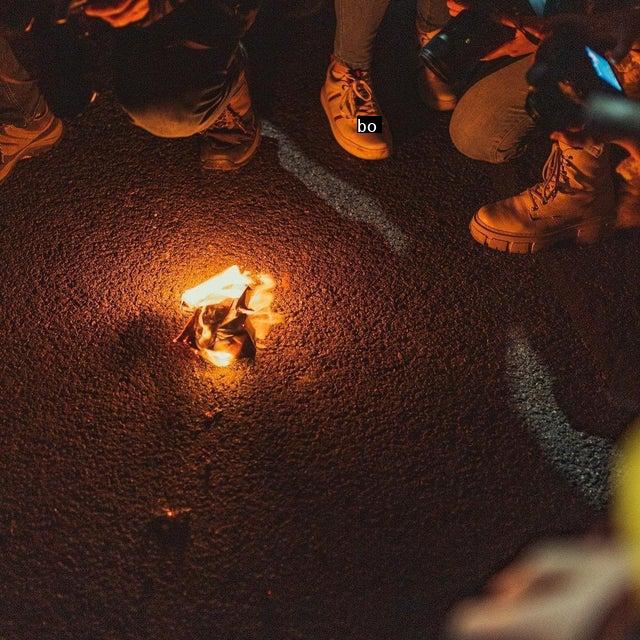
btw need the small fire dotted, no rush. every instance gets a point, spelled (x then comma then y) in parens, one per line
(231, 316)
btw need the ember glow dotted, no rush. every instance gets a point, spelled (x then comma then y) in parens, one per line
(231, 316)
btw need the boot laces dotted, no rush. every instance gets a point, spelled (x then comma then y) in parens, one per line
(357, 98)
(555, 179)
(231, 119)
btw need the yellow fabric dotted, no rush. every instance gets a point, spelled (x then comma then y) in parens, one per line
(627, 497)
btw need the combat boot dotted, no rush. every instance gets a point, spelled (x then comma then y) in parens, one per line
(574, 201)
(235, 136)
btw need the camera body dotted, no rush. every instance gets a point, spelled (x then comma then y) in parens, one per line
(456, 50)
(567, 72)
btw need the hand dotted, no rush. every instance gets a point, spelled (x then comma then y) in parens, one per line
(574, 590)
(519, 46)
(119, 13)
(581, 139)
(619, 29)
(457, 6)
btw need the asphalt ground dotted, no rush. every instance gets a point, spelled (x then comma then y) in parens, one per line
(427, 408)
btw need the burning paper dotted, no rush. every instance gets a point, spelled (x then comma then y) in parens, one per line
(231, 316)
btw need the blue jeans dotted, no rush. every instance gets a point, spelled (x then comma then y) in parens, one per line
(490, 122)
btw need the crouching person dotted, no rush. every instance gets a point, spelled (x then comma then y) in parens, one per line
(179, 70)
(184, 74)
(576, 198)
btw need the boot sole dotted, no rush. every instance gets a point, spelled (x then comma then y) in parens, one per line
(47, 140)
(225, 164)
(583, 234)
(350, 147)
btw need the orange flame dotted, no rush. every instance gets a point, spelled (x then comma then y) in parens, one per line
(225, 289)
(228, 284)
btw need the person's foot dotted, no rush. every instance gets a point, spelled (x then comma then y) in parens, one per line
(574, 201)
(235, 136)
(19, 143)
(628, 214)
(345, 95)
(435, 93)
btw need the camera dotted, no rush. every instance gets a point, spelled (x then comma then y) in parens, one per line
(456, 50)
(569, 70)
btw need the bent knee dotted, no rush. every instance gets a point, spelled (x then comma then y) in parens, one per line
(477, 143)
(164, 119)
(494, 136)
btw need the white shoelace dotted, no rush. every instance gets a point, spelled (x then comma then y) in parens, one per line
(357, 99)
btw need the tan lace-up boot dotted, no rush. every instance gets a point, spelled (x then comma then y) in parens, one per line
(235, 136)
(574, 201)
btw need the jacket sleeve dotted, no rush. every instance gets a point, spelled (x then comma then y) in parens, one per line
(160, 8)
(236, 10)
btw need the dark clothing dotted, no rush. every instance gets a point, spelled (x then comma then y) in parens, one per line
(490, 122)
(20, 98)
(173, 76)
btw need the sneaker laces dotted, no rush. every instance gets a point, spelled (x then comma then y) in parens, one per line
(555, 179)
(358, 95)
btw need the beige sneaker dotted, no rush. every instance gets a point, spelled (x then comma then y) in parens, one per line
(346, 94)
(574, 201)
(20, 143)
(235, 136)
(628, 214)
(435, 93)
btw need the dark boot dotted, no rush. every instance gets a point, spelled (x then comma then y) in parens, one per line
(234, 137)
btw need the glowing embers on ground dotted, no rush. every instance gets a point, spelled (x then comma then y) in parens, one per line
(231, 316)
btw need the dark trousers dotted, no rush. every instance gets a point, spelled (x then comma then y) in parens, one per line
(20, 98)
(173, 77)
